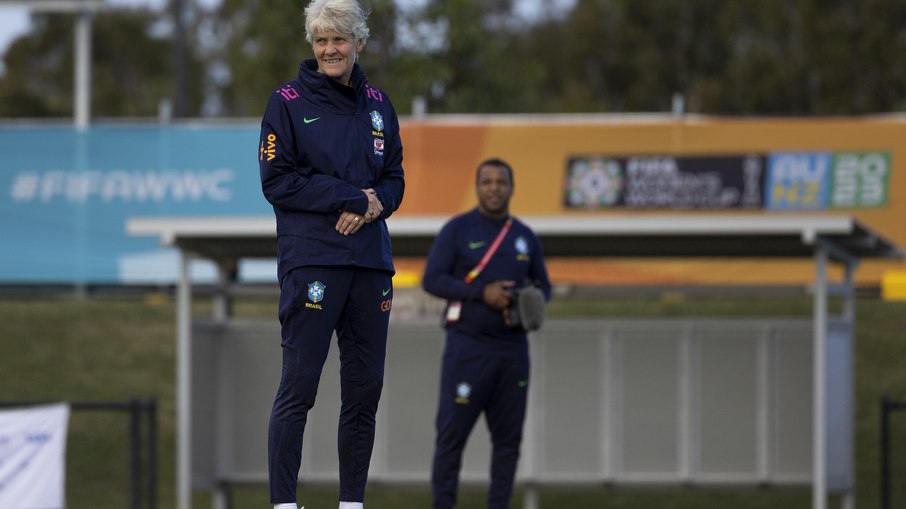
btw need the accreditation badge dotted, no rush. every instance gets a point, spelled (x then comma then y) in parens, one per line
(454, 309)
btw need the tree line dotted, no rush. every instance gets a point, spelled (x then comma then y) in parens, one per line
(724, 57)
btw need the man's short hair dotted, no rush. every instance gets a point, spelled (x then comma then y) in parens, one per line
(495, 161)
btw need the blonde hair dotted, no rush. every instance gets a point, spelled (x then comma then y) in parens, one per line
(341, 16)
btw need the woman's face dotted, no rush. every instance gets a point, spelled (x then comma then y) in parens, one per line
(336, 54)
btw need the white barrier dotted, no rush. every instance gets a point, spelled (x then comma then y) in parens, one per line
(665, 401)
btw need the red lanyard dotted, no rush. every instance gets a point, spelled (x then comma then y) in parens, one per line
(487, 256)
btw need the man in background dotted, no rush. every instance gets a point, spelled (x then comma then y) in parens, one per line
(480, 261)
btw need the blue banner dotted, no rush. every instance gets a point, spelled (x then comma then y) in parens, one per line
(799, 181)
(67, 195)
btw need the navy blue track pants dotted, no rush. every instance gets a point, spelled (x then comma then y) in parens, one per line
(473, 381)
(315, 301)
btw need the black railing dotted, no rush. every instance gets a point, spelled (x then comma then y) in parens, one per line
(142, 442)
(888, 406)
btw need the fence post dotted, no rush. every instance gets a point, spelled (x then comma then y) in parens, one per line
(136, 445)
(152, 452)
(888, 406)
(885, 458)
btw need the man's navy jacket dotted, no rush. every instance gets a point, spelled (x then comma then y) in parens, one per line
(321, 144)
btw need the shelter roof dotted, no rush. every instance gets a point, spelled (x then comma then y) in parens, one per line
(708, 235)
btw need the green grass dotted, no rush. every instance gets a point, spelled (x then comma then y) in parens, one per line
(94, 350)
(102, 349)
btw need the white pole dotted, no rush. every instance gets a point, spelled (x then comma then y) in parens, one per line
(686, 409)
(222, 498)
(221, 301)
(183, 386)
(819, 468)
(848, 500)
(530, 498)
(82, 92)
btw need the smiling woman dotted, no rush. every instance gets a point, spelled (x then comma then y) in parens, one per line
(331, 166)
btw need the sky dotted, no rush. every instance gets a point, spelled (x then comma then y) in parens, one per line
(13, 23)
(14, 20)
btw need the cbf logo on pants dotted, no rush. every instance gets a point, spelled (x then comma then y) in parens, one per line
(315, 294)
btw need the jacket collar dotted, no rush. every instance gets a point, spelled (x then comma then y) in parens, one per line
(319, 82)
(327, 93)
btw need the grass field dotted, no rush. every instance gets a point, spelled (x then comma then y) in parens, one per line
(101, 349)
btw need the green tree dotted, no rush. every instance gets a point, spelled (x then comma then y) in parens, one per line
(264, 44)
(131, 67)
(739, 57)
(787, 57)
(480, 58)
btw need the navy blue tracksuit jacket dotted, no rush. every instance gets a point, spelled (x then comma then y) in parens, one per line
(321, 144)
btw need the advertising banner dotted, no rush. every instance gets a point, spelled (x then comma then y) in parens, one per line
(774, 181)
(68, 194)
(665, 182)
(826, 180)
(32, 457)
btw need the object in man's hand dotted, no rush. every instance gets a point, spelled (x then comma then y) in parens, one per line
(527, 310)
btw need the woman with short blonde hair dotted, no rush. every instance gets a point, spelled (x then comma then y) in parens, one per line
(330, 159)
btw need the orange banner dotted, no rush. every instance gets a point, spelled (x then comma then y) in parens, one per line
(441, 156)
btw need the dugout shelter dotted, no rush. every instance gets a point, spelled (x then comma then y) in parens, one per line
(795, 409)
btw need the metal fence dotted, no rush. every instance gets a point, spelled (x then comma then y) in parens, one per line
(888, 406)
(142, 443)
